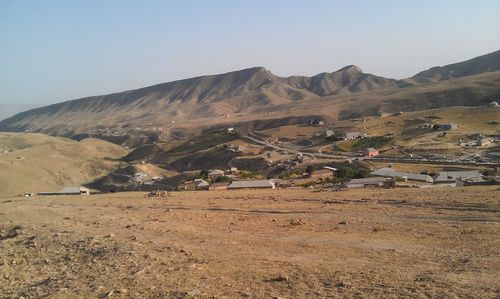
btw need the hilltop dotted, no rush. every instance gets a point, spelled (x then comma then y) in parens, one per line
(243, 91)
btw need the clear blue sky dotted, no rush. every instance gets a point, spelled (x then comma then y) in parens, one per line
(52, 51)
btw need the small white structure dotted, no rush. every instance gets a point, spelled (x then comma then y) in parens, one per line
(330, 168)
(354, 135)
(215, 174)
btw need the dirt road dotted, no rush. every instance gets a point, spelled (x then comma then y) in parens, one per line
(253, 244)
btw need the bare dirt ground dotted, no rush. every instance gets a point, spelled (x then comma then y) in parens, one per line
(254, 244)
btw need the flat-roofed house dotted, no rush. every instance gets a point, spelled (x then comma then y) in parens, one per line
(215, 174)
(201, 184)
(258, 184)
(371, 152)
(218, 186)
(392, 173)
(473, 182)
(69, 191)
(452, 176)
(354, 135)
(371, 183)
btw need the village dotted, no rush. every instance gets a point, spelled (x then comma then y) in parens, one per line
(315, 155)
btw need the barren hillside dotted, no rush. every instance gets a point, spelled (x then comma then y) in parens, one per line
(36, 162)
(482, 64)
(403, 243)
(256, 93)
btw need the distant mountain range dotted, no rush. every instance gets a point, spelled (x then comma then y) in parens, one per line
(8, 110)
(256, 94)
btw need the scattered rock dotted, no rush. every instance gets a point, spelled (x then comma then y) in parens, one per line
(279, 278)
(11, 233)
(29, 242)
(194, 292)
(342, 223)
(157, 194)
(298, 221)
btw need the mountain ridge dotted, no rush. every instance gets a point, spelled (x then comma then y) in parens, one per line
(477, 65)
(254, 90)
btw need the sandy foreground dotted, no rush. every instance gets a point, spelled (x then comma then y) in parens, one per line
(440, 242)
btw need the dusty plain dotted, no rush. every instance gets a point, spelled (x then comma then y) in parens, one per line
(401, 243)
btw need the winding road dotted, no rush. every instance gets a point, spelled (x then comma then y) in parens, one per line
(417, 159)
(280, 148)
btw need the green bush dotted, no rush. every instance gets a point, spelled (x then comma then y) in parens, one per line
(223, 179)
(375, 142)
(335, 137)
(348, 173)
(204, 142)
(202, 175)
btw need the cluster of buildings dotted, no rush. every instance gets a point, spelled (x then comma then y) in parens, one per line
(386, 178)
(201, 184)
(479, 140)
(213, 182)
(324, 173)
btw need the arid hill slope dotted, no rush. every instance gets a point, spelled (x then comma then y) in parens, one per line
(37, 162)
(256, 91)
(482, 64)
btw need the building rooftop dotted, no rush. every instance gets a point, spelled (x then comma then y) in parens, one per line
(251, 184)
(68, 190)
(369, 180)
(447, 176)
(391, 172)
(322, 171)
(330, 168)
(219, 184)
(200, 183)
(216, 172)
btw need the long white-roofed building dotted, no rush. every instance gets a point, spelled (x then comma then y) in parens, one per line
(392, 173)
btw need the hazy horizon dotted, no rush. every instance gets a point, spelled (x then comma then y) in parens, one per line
(55, 51)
